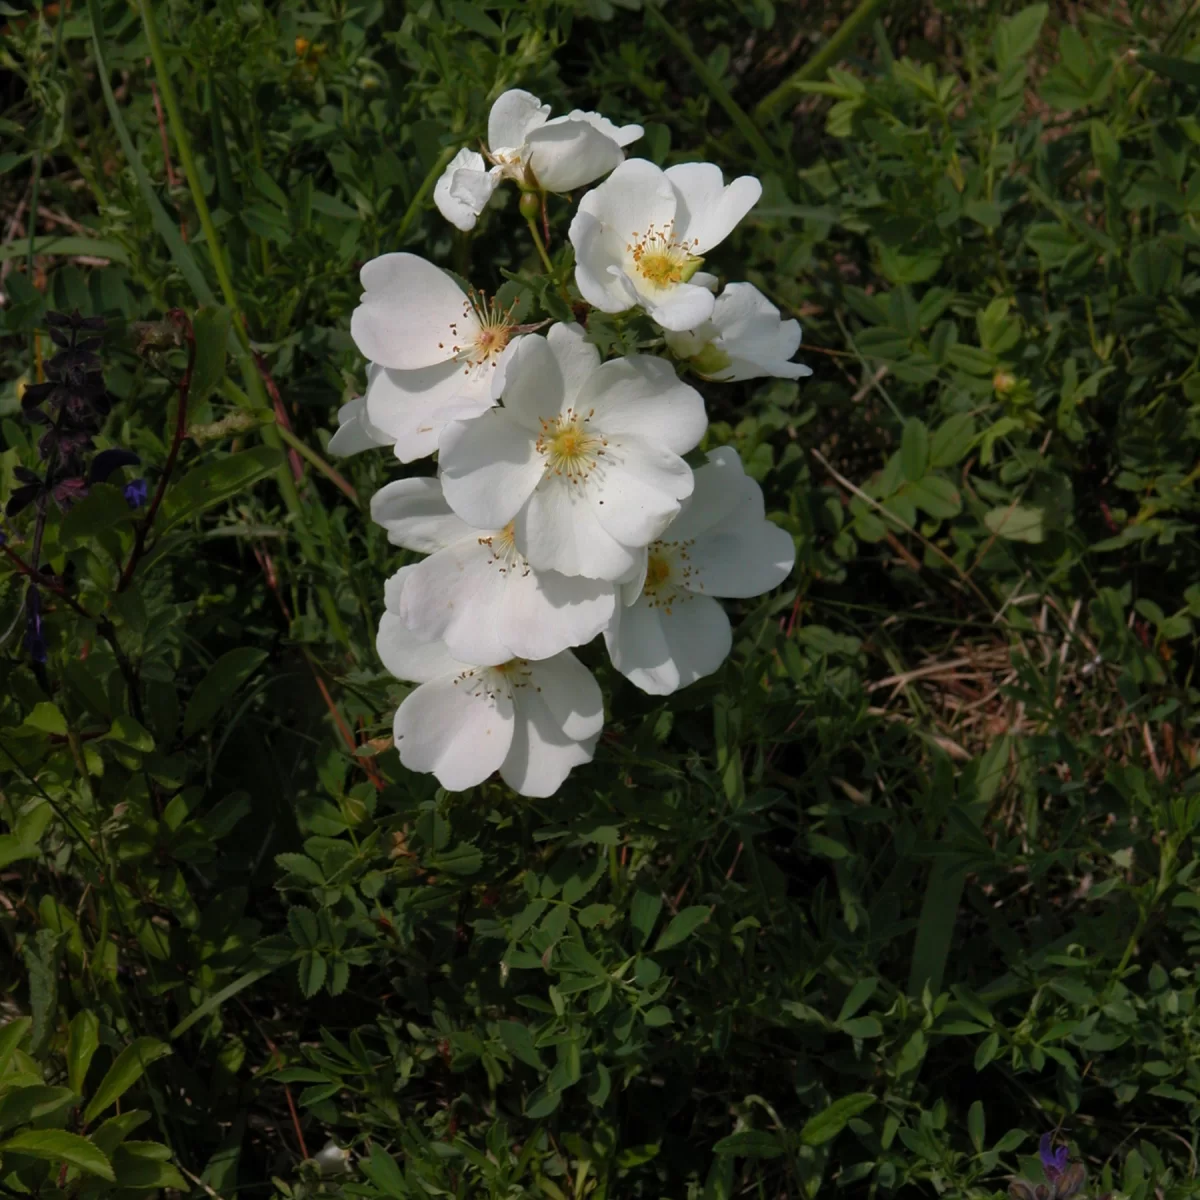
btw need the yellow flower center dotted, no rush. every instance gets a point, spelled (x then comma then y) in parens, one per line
(505, 555)
(485, 330)
(661, 259)
(668, 574)
(570, 448)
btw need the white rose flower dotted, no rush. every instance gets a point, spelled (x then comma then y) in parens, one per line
(475, 592)
(670, 631)
(531, 721)
(641, 236)
(583, 458)
(538, 153)
(355, 433)
(437, 352)
(743, 339)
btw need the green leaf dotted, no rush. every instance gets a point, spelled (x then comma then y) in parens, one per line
(128, 1068)
(518, 1041)
(914, 450)
(1017, 36)
(1016, 522)
(976, 1126)
(682, 926)
(143, 1165)
(45, 717)
(129, 733)
(109, 1135)
(828, 1124)
(68, 247)
(951, 440)
(311, 973)
(22, 1105)
(860, 993)
(83, 1039)
(384, 1172)
(750, 1143)
(213, 482)
(11, 1034)
(224, 677)
(1181, 70)
(56, 1145)
(936, 496)
(210, 328)
(41, 967)
(643, 913)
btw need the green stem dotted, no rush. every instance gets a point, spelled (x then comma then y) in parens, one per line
(770, 105)
(719, 92)
(254, 384)
(431, 177)
(315, 460)
(543, 254)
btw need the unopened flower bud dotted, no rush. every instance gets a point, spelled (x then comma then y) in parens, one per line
(530, 205)
(1004, 381)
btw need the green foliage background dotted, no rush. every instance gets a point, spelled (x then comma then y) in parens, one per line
(907, 884)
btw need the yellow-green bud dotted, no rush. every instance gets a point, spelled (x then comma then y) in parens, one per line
(710, 361)
(530, 205)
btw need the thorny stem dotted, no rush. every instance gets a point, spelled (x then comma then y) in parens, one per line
(185, 385)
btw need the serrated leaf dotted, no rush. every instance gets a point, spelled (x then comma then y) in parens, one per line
(126, 1070)
(57, 1146)
(311, 973)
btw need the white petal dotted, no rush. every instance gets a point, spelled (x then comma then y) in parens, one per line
(745, 555)
(720, 489)
(623, 135)
(698, 636)
(455, 728)
(541, 755)
(642, 395)
(557, 531)
(514, 116)
(464, 189)
(638, 649)
(408, 657)
(453, 596)
(635, 196)
(393, 588)
(631, 583)
(533, 385)
(355, 433)
(708, 210)
(571, 693)
(407, 308)
(416, 516)
(412, 407)
(637, 491)
(542, 612)
(750, 331)
(488, 467)
(577, 359)
(566, 154)
(598, 273)
(680, 307)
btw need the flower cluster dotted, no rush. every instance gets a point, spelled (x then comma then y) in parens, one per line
(563, 507)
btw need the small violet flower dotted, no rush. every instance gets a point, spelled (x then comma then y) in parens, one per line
(135, 493)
